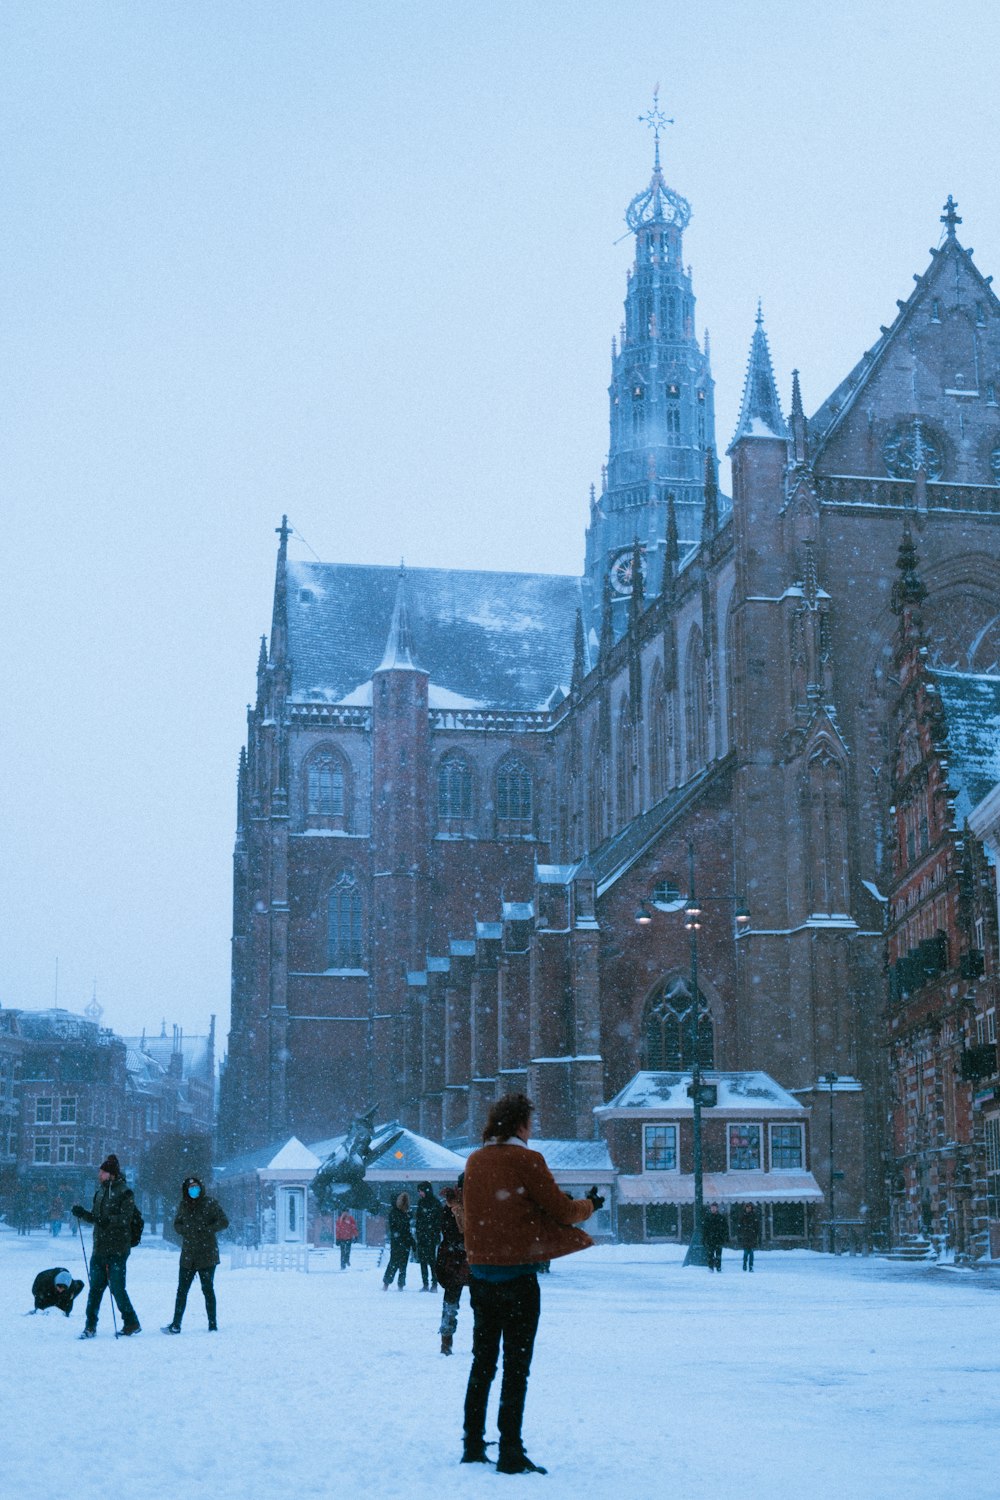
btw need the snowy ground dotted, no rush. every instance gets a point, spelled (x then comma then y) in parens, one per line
(818, 1377)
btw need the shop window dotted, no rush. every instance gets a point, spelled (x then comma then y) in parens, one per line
(744, 1148)
(660, 1148)
(786, 1148)
(662, 1221)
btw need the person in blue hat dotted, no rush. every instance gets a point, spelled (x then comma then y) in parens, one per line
(198, 1221)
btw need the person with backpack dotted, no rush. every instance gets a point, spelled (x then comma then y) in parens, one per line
(199, 1219)
(118, 1225)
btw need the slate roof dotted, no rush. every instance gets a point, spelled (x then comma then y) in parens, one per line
(616, 855)
(972, 714)
(498, 640)
(742, 1092)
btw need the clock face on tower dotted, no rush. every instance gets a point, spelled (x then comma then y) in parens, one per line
(620, 571)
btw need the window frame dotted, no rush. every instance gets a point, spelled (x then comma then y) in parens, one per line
(786, 1125)
(42, 1151)
(519, 825)
(43, 1102)
(314, 813)
(68, 1102)
(744, 1125)
(339, 960)
(454, 772)
(669, 1128)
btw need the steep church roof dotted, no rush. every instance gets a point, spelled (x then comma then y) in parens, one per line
(950, 259)
(972, 714)
(496, 640)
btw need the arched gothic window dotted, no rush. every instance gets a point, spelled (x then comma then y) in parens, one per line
(343, 927)
(695, 703)
(659, 737)
(454, 793)
(514, 798)
(326, 789)
(623, 764)
(827, 838)
(666, 1029)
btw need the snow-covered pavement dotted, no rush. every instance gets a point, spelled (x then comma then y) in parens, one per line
(818, 1377)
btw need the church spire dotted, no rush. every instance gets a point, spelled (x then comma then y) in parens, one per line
(800, 432)
(279, 614)
(399, 655)
(760, 413)
(710, 515)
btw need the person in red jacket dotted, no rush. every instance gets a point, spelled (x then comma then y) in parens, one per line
(516, 1217)
(345, 1232)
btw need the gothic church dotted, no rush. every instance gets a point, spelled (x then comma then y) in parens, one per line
(461, 789)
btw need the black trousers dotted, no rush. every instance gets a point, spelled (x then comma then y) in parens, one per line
(507, 1311)
(399, 1256)
(344, 1246)
(427, 1275)
(205, 1275)
(104, 1273)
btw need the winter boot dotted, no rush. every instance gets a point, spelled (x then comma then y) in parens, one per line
(446, 1343)
(516, 1461)
(89, 1333)
(213, 1327)
(129, 1328)
(474, 1452)
(170, 1328)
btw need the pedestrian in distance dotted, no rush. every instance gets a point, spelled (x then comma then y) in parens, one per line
(56, 1215)
(117, 1229)
(715, 1234)
(428, 1233)
(198, 1222)
(451, 1264)
(400, 1241)
(516, 1216)
(55, 1288)
(748, 1234)
(345, 1232)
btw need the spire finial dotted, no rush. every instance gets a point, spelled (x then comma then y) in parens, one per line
(655, 119)
(284, 531)
(950, 218)
(760, 314)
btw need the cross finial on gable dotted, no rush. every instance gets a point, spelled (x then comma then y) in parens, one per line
(950, 218)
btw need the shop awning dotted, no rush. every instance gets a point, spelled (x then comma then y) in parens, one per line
(721, 1187)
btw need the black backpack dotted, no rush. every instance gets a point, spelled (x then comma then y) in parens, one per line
(136, 1227)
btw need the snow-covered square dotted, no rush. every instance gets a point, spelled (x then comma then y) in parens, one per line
(813, 1376)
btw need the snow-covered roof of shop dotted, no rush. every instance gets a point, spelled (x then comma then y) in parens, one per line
(741, 1091)
(972, 713)
(496, 640)
(412, 1155)
(574, 1156)
(293, 1156)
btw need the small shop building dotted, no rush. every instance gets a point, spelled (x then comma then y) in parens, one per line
(755, 1149)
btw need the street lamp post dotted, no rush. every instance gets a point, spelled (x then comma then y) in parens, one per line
(696, 1252)
(830, 1079)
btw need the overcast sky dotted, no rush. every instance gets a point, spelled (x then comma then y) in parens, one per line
(362, 263)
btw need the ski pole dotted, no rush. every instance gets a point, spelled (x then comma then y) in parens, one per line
(114, 1320)
(83, 1247)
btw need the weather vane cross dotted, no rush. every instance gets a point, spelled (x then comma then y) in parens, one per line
(655, 118)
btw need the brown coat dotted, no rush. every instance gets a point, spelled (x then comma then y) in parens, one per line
(515, 1213)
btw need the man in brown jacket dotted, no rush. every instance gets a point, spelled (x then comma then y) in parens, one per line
(515, 1218)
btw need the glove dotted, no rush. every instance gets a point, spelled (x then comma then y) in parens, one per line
(77, 1211)
(595, 1198)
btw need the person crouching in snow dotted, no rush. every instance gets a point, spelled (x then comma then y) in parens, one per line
(400, 1241)
(198, 1220)
(345, 1232)
(516, 1216)
(55, 1288)
(452, 1265)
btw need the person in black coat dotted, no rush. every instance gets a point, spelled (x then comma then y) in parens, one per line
(112, 1216)
(452, 1263)
(199, 1219)
(715, 1233)
(400, 1241)
(748, 1234)
(55, 1288)
(428, 1226)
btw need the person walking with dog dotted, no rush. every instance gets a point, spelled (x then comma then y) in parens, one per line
(117, 1224)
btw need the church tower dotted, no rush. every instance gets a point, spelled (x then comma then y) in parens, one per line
(662, 408)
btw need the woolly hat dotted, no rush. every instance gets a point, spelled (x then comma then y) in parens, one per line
(111, 1165)
(63, 1278)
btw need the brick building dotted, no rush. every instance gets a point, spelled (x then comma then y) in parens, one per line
(459, 788)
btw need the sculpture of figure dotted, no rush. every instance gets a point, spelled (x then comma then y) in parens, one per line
(340, 1181)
